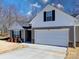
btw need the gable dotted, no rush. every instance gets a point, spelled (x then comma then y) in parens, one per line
(15, 26)
(61, 18)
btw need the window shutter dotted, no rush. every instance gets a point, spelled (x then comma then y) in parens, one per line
(20, 33)
(12, 33)
(44, 15)
(53, 15)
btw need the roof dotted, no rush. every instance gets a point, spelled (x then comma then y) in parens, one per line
(15, 26)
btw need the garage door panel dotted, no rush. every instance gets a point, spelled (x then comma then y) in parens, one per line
(52, 37)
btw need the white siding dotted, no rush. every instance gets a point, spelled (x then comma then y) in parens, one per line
(59, 37)
(23, 34)
(61, 19)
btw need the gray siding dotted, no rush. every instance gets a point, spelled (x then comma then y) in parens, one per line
(77, 33)
(71, 34)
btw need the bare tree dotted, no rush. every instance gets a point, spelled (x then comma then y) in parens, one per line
(0, 5)
(12, 13)
(2, 17)
(75, 10)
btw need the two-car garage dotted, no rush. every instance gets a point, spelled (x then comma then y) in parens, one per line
(57, 37)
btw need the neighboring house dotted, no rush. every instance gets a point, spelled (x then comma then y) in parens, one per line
(54, 27)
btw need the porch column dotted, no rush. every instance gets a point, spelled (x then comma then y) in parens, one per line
(32, 36)
(24, 40)
(74, 36)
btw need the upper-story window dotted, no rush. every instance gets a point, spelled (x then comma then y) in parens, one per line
(49, 15)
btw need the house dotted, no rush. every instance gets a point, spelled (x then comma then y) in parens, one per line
(52, 26)
(18, 30)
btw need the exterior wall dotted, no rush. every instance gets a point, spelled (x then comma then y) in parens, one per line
(77, 33)
(10, 33)
(71, 34)
(61, 19)
(23, 35)
(32, 36)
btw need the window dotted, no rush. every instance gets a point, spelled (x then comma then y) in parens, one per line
(16, 33)
(49, 15)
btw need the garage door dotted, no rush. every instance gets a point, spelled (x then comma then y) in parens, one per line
(57, 37)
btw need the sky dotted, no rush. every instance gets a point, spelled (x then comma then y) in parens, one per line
(26, 7)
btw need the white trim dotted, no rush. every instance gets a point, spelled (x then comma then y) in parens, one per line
(74, 36)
